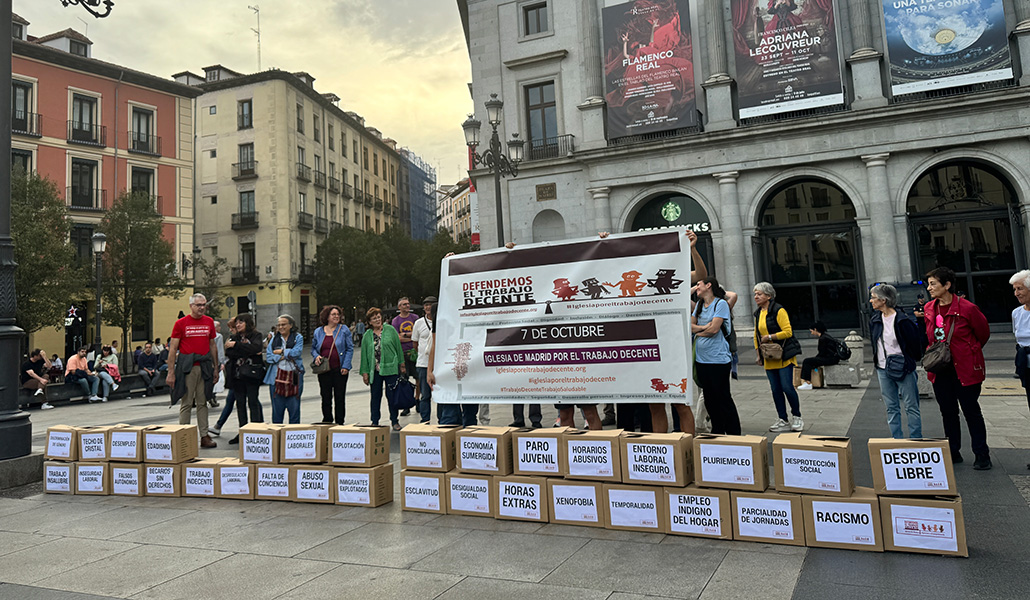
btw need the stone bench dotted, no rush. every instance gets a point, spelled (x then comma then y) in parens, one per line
(66, 393)
(841, 375)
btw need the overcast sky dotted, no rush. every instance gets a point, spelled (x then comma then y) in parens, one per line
(401, 64)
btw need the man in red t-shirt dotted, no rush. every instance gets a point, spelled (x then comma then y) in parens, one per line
(194, 334)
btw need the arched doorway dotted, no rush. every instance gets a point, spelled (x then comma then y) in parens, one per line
(548, 226)
(808, 247)
(962, 214)
(678, 210)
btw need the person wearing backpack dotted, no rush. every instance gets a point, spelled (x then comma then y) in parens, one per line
(897, 345)
(826, 355)
(711, 327)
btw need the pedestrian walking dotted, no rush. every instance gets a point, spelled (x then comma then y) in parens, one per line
(422, 338)
(219, 367)
(897, 345)
(191, 365)
(35, 375)
(711, 327)
(285, 374)
(332, 343)
(825, 356)
(957, 322)
(382, 362)
(778, 350)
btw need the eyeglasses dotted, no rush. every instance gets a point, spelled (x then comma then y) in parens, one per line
(200, 304)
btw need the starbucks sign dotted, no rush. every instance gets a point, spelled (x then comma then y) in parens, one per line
(672, 210)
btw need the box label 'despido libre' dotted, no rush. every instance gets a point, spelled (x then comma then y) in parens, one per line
(423, 451)
(538, 454)
(470, 495)
(479, 453)
(590, 458)
(422, 492)
(913, 469)
(843, 522)
(722, 463)
(696, 514)
(575, 503)
(811, 469)
(353, 488)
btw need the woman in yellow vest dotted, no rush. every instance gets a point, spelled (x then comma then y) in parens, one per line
(777, 352)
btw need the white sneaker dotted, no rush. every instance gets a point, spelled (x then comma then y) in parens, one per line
(114, 387)
(780, 426)
(104, 399)
(215, 431)
(805, 386)
(796, 424)
(39, 392)
(94, 398)
(46, 406)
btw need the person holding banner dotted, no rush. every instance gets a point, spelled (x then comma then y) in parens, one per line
(711, 327)
(382, 361)
(777, 352)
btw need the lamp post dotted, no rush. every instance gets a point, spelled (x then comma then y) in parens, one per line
(99, 247)
(498, 163)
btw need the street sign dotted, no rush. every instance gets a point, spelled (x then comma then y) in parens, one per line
(252, 296)
(229, 301)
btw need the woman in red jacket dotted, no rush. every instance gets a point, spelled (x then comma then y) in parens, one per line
(949, 315)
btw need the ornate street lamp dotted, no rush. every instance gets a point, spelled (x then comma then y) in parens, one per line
(99, 247)
(497, 162)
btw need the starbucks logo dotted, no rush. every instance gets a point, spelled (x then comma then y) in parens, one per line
(671, 211)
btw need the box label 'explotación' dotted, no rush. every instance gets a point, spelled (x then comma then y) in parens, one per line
(348, 448)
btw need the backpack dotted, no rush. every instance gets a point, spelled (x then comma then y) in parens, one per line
(841, 350)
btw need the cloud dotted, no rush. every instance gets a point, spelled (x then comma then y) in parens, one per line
(401, 64)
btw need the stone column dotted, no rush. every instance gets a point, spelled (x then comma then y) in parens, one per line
(718, 86)
(1022, 35)
(884, 242)
(733, 274)
(866, 79)
(591, 110)
(602, 209)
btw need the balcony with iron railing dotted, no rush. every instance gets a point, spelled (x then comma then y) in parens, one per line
(348, 191)
(379, 205)
(87, 133)
(369, 200)
(303, 172)
(244, 121)
(86, 199)
(307, 273)
(333, 225)
(558, 146)
(334, 185)
(244, 170)
(26, 123)
(245, 220)
(320, 179)
(305, 220)
(142, 142)
(244, 275)
(321, 225)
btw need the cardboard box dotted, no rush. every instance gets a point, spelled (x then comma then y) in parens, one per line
(850, 523)
(312, 483)
(126, 444)
(94, 443)
(924, 525)
(127, 479)
(58, 477)
(369, 487)
(699, 512)
(817, 377)
(635, 507)
(472, 495)
(170, 443)
(657, 458)
(538, 451)
(428, 447)
(423, 491)
(811, 464)
(731, 462)
(358, 446)
(577, 502)
(234, 479)
(273, 482)
(912, 467)
(592, 455)
(61, 443)
(521, 498)
(199, 478)
(92, 478)
(484, 450)
(259, 443)
(770, 516)
(162, 480)
(303, 443)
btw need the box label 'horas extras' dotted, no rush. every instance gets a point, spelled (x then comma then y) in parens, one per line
(520, 500)
(575, 503)
(479, 453)
(423, 451)
(348, 448)
(353, 488)
(722, 463)
(765, 518)
(651, 462)
(588, 458)
(913, 469)
(422, 492)
(811, 469)
(843, 522)
(539, 455)
(689, 513)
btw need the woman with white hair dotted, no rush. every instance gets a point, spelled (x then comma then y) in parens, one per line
(1021, 328)
(897, 345)
(778, 350)
(285, 373)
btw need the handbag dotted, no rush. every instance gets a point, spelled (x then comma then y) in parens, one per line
(323, 367)
(246, 369)
(938, 356)
(771, 350)
(286, 383)
(401, 395)
(895, 366)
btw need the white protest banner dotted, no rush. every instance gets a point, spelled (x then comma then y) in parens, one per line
(576, 321)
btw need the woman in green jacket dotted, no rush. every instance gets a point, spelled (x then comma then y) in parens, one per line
(381, 360)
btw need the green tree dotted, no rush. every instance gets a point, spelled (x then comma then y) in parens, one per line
(209, 279)
(48, 276)
(139, 263)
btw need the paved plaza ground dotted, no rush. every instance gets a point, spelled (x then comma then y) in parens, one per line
(78, 547)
